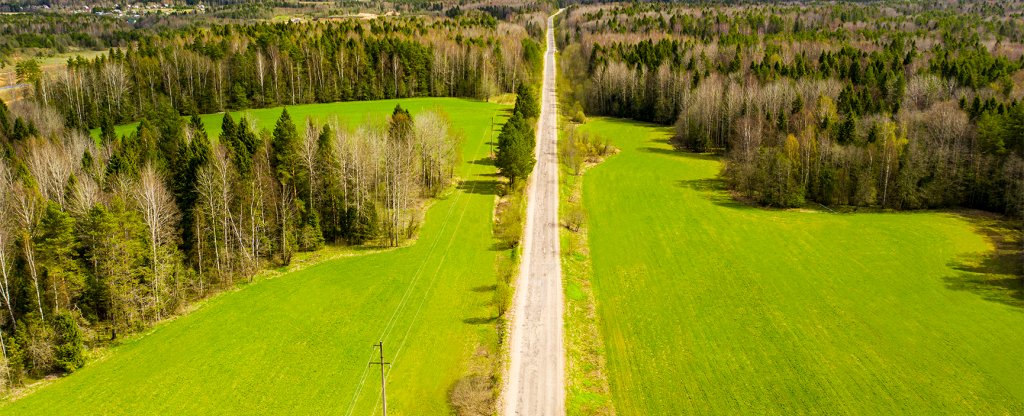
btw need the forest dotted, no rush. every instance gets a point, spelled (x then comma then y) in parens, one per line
(103, 235)
(897, 105)
(238, 66)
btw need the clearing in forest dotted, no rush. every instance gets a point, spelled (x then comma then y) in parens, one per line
(709, 306)
(299, 343)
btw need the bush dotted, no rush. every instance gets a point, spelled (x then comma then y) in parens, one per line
(577, 115)
(35, 340)
(508, 268)
(310, 236)
(502, 297)
(508, 229)
(472, 396)
(574, 218)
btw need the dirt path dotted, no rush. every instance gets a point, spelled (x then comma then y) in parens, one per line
(536, 378)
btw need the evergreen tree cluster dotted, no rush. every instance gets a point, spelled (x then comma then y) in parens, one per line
(517, 142)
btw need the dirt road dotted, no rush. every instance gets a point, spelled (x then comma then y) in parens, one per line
(537, 370)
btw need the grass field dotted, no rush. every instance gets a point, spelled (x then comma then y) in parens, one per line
(300, 343)
(709, 306)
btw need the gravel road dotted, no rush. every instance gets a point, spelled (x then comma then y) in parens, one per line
(536, 377)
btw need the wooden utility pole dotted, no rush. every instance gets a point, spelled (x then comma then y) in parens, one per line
(383, 390)
(490, 137)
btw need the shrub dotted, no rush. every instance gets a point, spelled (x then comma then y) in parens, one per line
(472, 396)
(67, 343)
(574, 218)
(509, 226)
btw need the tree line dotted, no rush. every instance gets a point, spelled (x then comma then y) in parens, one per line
(848, 105)
(236, 66)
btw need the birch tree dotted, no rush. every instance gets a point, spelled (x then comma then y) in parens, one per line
(159, 213)
(27, 209)
(7, 235)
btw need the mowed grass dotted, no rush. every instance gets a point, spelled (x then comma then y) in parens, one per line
(713, 307)
(300, 343)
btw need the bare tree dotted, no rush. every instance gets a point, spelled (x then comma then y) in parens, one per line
(7, 234)
(52, 163)
(438, 151)
(28, 207)
(116, 80)
(261, 72)
(160, 215)
(307, 157)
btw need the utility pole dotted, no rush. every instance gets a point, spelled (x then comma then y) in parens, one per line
(381, 363)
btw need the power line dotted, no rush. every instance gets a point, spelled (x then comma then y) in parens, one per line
(405, 298)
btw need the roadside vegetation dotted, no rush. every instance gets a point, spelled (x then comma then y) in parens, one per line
(587, 388)
(729, 308)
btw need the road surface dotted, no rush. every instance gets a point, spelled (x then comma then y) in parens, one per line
(536, 378)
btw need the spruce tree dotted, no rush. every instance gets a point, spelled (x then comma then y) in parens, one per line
(526, 103)
(515, 156)
(284, 146)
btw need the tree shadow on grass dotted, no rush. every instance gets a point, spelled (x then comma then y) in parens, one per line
(661, 151)
(484, 289)
(714, 190)
(486, 161)
(481, 187)
(996, 275)
(480, 321)
(499, 246)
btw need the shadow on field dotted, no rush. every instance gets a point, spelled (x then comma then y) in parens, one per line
(480, 321)
(479, 187)
(661, 151)
(714, 190)
(997, 275)
(674, 150)
(486, 161)
(483, 289)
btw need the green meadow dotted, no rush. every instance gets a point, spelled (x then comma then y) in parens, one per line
(300, 342)
(349, 113)
(710, 306)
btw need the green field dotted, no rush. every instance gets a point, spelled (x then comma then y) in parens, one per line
(349, 114)
(299, 343)
(709, 306)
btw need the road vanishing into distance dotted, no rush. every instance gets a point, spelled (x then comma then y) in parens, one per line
(537, 369)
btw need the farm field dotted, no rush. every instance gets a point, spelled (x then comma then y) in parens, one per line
(709, 306)
(466, 113)
(299, 343)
